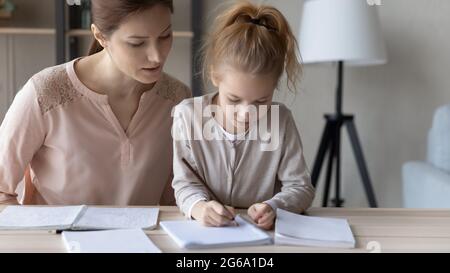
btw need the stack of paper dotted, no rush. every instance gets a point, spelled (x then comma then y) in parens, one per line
(123, 226)
(110, 241)
(193, 235)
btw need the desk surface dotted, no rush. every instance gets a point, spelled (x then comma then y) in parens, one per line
(387, 230)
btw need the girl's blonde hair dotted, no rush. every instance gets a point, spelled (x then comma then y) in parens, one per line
(255, 39)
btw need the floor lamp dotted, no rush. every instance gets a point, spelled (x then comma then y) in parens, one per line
(345, 32)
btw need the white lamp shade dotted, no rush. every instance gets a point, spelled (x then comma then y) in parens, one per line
(341, 30)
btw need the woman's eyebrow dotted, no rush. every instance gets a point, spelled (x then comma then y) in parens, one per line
(145, 37)
(166, 28)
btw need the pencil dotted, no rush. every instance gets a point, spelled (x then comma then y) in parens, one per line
(204, 183)
(201, 180)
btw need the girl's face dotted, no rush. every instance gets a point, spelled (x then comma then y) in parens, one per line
(241, 93)
(139, 48)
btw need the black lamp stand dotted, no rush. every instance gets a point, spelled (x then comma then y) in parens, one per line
(331, 143)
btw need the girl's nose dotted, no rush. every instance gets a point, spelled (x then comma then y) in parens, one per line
(244, 112)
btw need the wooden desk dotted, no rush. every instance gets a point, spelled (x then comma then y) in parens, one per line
(393, 230)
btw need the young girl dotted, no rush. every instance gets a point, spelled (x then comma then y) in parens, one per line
(245, 57)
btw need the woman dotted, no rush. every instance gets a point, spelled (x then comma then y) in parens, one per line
(96, 130)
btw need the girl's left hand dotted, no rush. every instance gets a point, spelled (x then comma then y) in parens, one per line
(263, 215)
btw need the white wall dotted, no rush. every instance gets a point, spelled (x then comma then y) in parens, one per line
(393, 104)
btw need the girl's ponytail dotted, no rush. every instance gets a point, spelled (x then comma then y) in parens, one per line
(292, 65)
(255, 39)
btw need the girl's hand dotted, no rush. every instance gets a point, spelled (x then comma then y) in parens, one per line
(214, 214)
(263, 215)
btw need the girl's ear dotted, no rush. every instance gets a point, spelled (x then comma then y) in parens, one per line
(214, 77)
(98, 36)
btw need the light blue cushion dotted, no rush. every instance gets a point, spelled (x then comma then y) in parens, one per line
(425, 186)
(439, 139)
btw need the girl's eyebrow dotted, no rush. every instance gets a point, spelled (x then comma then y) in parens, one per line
(145, 37)
(260, 99)
(234, 96)
(264, 98)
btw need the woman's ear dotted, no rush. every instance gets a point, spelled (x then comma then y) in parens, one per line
(98, 35)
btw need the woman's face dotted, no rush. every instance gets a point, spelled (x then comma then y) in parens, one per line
(139, 48)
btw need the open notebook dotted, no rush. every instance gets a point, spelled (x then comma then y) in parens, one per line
(77, 218)
(193, 235)
(295, 229)
(109, 241)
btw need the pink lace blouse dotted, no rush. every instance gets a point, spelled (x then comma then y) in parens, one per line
(77, 149)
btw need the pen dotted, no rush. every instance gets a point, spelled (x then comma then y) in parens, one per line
(26, 232)
(204, 184)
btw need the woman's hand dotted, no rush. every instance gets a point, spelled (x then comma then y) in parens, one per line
(263, 215)
(214, 214)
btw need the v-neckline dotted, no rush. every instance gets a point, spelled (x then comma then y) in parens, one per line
(104, 101)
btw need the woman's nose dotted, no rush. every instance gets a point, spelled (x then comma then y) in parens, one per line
(154, 55)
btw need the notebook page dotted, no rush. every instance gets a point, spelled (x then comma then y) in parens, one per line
(23, 217)
(95, 218)
(313, 228)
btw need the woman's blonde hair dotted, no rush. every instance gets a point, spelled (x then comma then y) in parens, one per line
(255, 39)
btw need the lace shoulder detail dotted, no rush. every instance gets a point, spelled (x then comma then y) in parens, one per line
(54, 88)
(172, 89)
